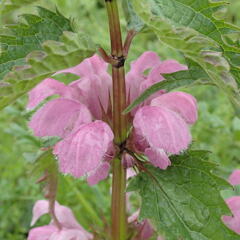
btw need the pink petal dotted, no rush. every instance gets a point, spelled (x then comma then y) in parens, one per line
(40, 208)
(144, 228)
(95, 84)
(92, 65)
(59, 117)
(162, 128)
(46, 88)
(127, 160)
(131, 173)
(136, 76)
(133, 217)
(158, 158)
(233, 222)
(182, 103)
(83, 151)
(67, 219)
(95, 93)
(70, 234)
(171, 66)
(234, 178)
(42, 233)
(146, 61)
(99, 174)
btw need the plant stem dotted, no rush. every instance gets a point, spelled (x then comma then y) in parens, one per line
(119, 123)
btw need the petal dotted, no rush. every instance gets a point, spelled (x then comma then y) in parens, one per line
(70, 234)
(234, 178)
(168, 66)
(133, 217)
(46, 88)
(83, 151)
(147, 60)
(171, 66)
(234, 204)
(182, 103)
(40, 208)
(95, 88)
(162, 128)
(158, 157)
(92, 65)
(233, 222)
(67, 219)
(146, 230)
(59, 117)
(42, 233)
(136, 76)
(99, 174)
(127, 160)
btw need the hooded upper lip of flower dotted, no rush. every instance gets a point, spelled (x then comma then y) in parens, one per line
(70, 227)
(160, 123)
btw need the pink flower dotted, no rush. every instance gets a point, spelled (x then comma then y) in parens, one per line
(234, 178)
(81, 114)
(70, 228)
(84, 150)
(233, 222)
(144, 229)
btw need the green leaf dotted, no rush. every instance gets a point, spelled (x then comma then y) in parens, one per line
(21, 39)
(215, 58)
(184, 201)
(134, 22)
(49, 56)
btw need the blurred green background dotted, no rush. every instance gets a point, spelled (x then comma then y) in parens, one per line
(217, 130)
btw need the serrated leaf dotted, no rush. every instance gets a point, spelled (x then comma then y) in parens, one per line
(134, 22)
(50, 56)
(208, 54)
(28, 35)
(184, 201)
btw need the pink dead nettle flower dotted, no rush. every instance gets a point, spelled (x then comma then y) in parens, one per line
(70, 228)
(144, 228)
(233, 222)
(81, 116)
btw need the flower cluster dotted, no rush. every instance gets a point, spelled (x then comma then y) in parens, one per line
(82, 116)
(67, 228)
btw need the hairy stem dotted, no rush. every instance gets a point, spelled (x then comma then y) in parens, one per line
(119, 122)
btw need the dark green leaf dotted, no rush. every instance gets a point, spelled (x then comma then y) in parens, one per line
(184, 201)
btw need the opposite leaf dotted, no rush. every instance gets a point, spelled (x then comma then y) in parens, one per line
(184, 201)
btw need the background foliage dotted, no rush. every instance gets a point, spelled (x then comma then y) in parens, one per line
(217, 130)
